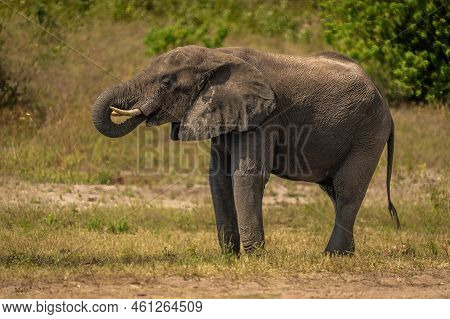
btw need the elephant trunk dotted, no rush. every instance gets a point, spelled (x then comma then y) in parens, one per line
(120, 96)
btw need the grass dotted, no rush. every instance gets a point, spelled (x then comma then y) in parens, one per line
(176, 242)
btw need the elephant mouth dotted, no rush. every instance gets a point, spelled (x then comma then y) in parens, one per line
(151, 119)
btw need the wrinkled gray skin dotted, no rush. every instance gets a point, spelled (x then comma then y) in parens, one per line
(245, 101)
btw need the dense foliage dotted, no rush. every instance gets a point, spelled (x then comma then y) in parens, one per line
(190, 29)
(403, 44)
(208, 22)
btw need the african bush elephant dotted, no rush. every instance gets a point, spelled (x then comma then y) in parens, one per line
(254, 106)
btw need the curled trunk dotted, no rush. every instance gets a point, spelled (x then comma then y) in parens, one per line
(119, 97)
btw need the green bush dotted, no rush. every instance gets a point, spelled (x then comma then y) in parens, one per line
(205, 22)
(183, 32)
(52, 14)
(403, 44)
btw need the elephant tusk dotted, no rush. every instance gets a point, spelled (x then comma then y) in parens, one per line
(119, 112)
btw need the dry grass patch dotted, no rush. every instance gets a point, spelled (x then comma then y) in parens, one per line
(182, 242)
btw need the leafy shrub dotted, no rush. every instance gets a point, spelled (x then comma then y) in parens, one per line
(178, 22)
(209, 22)
(193, 22)
(130, 9)
(183, 32)
(51, 13)
(403, 44)
(278, 18)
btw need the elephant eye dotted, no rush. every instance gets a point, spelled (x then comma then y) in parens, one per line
(166, 82)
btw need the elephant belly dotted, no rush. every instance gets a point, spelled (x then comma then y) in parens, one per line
(312, 160)
(297, 168)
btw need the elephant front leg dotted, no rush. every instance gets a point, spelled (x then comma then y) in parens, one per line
(225, 211)
(248, 192)
(223, 200)
(252, 154)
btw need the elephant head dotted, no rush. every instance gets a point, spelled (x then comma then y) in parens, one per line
(203, 92)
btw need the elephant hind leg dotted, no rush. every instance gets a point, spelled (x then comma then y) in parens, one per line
(349, 186)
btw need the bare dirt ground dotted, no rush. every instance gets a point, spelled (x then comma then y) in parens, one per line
(14, 191)
(82, 196)
(429, 284)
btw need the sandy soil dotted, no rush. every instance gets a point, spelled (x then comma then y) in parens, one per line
(429, 284)
(14, 191)
(82, 196)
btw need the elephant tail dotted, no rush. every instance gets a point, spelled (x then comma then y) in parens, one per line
(390, 159)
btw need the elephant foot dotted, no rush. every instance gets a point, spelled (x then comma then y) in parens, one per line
(333, 253)
(254, 248)
(344, 249)
(231, 249)
(340, 245)
(229, 243)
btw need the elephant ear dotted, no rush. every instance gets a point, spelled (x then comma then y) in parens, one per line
(233, 96)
